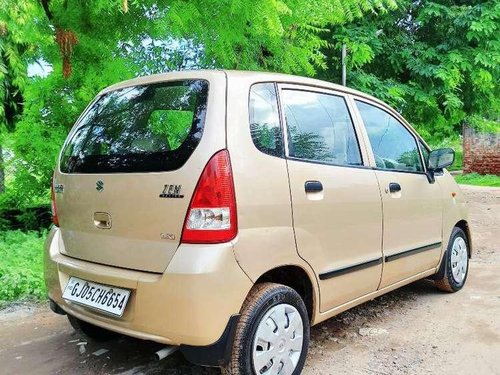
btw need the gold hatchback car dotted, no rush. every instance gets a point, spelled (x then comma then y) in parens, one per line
(224, 213)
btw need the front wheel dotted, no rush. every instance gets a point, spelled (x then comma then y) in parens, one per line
(272, 336)
(456, 267)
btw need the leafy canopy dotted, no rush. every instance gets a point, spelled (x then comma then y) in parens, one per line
(437, 61)
(91, 44)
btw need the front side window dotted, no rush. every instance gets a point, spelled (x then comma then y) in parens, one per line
(320, 128)
(393, 146)
(425, 152)
(149, 128)
(264, 119)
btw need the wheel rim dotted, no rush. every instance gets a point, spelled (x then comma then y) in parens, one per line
(459, 259)
(277, 344)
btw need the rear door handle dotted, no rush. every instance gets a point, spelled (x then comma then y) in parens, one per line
(394, 187)
(102, 220)
(313, 186)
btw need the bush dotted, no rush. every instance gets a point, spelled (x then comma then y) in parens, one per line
(21, 265)
(34, 217)
(27, 219)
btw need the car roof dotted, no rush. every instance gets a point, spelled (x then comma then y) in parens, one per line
(252, 75)
(289, 78)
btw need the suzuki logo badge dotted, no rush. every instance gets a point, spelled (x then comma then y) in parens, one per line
(99, 186)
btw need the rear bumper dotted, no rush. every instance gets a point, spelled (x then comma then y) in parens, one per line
(55, 308)
(189, 304)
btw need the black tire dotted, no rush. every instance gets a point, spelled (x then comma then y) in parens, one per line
(91, 331)
(448, 283)
(262, 298)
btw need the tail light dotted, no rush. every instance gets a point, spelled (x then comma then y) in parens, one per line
(55, 220)
(211, 216)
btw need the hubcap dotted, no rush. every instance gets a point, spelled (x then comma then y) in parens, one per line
(459, 259)
(277, 344)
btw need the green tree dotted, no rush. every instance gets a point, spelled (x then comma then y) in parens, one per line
(91, 44)
(17, 40)
(437, 61)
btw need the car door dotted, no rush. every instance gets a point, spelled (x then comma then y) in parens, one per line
(337, 212)
(412, 206)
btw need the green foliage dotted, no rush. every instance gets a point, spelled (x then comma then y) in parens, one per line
(18, 39)
(409, 159)
(269, 35)
(91, 44)
(479, 180)
(264, 135)
(309, 146)
(484, 124)
(175, 125)
(437, 61)
(21, 265)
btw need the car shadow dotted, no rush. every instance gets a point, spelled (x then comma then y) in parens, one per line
(346, 325)
(128, 356)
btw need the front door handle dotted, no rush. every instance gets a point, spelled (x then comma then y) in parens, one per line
(394, 187)
(313, 186)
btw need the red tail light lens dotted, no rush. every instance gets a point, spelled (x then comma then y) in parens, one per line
(55, 220)
(211, 216)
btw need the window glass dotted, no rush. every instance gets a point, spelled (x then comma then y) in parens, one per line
(394, 147)
(320, 128)
(264, 119)
(425, 152)
(145, 128)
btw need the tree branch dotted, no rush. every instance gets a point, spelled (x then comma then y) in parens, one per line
(46, 9)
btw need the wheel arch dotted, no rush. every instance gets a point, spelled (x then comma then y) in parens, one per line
(296, 278)
(464, 225)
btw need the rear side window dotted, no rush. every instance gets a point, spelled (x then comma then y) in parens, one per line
(264, 119)
(320, 128)
(149, 128)
(394, 147)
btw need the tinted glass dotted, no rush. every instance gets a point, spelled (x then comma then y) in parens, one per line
(264, 119)
(148, 128)
(393, 145)
(425, 152)
(320, 128)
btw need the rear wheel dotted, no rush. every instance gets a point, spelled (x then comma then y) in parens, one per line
(456, 267)
(94, 332)
(272, 336)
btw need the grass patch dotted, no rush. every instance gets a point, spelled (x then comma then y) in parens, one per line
(478, 179)
(21, 266)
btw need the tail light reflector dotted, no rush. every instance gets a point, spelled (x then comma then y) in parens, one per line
(211, 216)
(55, 219)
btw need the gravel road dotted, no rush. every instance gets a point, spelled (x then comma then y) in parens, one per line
(414, 330)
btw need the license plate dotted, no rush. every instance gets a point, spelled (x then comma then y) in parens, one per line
(106, 298)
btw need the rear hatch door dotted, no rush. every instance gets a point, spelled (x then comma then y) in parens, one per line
(130, 166)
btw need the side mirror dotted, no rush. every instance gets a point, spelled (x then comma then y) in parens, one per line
(439, 159)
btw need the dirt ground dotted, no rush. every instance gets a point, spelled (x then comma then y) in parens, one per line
(414, 330)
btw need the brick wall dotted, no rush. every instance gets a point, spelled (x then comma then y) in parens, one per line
(481, 152)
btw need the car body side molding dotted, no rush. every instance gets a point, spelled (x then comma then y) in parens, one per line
(390, 258)
(355, 267)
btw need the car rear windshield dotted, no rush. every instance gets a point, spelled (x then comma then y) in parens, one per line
(149, 128)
